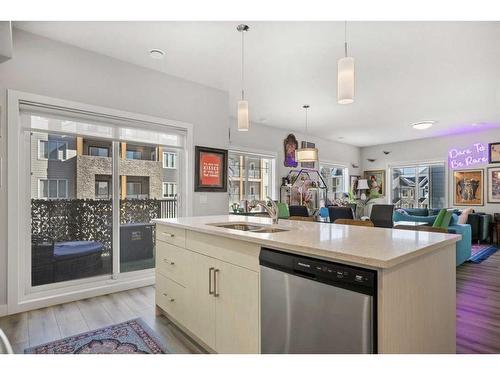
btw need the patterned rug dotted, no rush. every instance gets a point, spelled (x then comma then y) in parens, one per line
(481, 252)
(132, 337)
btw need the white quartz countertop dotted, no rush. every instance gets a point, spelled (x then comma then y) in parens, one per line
(364, 246)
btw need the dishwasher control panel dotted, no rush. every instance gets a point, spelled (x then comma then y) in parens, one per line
(333, 271)
(322, 271)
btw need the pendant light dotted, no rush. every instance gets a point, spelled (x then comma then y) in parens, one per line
(345, 75)
(243, 118)
(307, 154)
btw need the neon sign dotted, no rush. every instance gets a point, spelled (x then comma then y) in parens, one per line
(468, 157)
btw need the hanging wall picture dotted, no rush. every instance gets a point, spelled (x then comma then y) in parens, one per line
(468, 187)
(494, 152)
(494, 185)
(290, 146)
(210, 174)
(376, 182)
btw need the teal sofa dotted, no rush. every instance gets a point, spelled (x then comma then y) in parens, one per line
(464, 246)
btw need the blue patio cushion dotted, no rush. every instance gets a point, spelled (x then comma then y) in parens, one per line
(72, 249)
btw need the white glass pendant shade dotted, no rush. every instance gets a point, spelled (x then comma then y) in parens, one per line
(243, 121)
(345, 77)
(306, 155)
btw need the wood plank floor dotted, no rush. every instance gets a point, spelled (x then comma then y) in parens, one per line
(52, 323)
(478, 314)
(478, 306)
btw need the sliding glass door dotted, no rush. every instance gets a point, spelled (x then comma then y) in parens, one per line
(94, 191)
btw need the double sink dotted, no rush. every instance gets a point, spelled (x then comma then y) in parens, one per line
(253, 228)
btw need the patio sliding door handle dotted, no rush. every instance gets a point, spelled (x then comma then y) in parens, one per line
(216, 282)
(210, 270)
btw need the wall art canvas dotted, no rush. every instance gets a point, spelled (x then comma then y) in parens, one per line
(290, 146)
(376, 181)
(210, 169)
(494, 185)
(494, 152)
(468, 187)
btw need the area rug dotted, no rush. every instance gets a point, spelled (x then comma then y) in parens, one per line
(131, 337)
(480, 253)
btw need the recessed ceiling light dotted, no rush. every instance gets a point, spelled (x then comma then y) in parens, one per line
(157, 54)
(340, 137)
(423, 125)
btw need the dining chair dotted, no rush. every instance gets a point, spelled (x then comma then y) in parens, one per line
(359, 223)
(338, 212)
(298, 211)
(381, 215)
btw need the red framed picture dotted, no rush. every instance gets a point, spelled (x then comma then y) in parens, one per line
(210, 169)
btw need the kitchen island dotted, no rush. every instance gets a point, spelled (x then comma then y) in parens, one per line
(208, 278)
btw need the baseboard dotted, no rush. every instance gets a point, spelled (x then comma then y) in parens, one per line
(3, 310)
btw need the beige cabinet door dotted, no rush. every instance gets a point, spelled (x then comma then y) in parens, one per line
(200, 304)
(237, 309)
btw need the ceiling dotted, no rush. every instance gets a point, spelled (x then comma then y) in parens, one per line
(406, 72)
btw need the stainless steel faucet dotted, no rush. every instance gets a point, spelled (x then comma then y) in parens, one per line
(273, 211)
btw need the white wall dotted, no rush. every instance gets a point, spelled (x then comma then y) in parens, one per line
(431, 149)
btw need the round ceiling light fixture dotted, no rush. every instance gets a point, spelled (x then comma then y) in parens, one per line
(422, 125)
(157, 54)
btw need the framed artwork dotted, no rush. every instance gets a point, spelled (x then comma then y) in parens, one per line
(494, 185)
(376, 181)
(494, 152)
(468, 187)
(353, 185)
(210, 173)
(290, 145)
(305, 144)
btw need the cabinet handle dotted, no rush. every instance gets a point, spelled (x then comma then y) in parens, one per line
(172, 263)
(165, 294)
(172, 299)
(168, 234)
(210, 280)
(216, 291)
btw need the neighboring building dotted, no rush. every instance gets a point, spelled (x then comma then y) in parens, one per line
(249, 177)
(77, 167)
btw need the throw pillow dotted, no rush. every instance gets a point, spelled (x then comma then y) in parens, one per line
(439, 218)
(462, 219)
(402, 212)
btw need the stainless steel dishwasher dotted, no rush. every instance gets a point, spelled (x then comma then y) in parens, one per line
(314, 306)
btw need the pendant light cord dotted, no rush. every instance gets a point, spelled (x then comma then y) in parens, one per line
(345, 38)
(243, 66)
(306, 120)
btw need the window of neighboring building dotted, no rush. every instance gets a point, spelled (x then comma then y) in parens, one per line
(98, 151)
(170, 160)
(102, 190)
(134, 189)
(169, 190)
(53, 189)
(419, 186)
(52, 150)
(134, 155)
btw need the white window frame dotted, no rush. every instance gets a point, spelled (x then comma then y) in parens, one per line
(48, 142)
(21, 296)
(98, 196)
(167, 157)
(165, 189)
(40, 180)
(413, 163)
